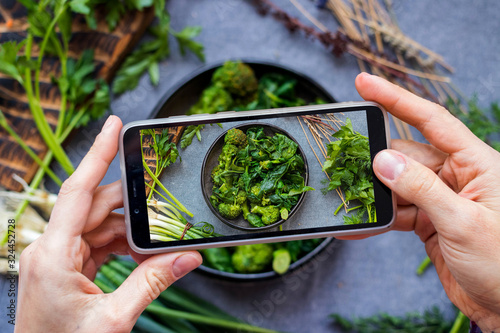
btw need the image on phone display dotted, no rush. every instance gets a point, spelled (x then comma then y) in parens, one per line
(258, 178)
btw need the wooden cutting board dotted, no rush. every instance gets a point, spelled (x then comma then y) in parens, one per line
(110, 48)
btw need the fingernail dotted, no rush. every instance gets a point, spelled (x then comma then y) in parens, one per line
(184, 264)
(390, 165)
(107, 124)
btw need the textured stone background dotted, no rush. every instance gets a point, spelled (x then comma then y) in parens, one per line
(355, 278)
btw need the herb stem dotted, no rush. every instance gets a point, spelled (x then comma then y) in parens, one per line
(423, 265)
(44, 128)
(37, 180)
(338, 208)
(41, 52)
(179, 205)
(200, 319)
(27, 149)
(458, 323)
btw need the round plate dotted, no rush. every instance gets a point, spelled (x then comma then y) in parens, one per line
(179, 99)
(211, 161)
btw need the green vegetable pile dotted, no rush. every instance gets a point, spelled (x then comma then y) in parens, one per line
(259, 176)
(349, 167)
(175, 310)
(258, 258)
(234, 86)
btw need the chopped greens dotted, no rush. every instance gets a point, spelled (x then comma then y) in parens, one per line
(234, 86)
(258, 175)
(258, 258)
(349, 168)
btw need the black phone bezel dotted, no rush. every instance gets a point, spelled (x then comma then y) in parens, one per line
(136, 194)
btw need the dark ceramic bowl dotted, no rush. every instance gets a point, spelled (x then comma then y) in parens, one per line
(179, 99)
(211, 161)
(269, 274)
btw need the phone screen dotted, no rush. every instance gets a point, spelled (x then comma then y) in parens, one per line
(265, 177)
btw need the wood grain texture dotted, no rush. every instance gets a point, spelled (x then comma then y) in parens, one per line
(110, 49)
(174, 134)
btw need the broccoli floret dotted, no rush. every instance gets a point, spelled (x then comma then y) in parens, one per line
(227, 155)
(255, 190)
(213, 99)
(241, 197)
(253, 196)
(237, 78)
(228, 152)
(236, 137)
(252, 258)
(270, 214)
(215, 175)
(229, 211)
(265, 201)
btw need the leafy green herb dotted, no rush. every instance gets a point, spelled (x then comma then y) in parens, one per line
(234, 86)
(274, 91)
(431, 321)
(186, 42)
(277, 256)
(165, 151)
(189, 133)
(477, 121)
(150, 53)
(10, 62)
(349, 167)
(258, 176)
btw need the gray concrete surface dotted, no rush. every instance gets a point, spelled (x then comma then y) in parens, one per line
(353, 278)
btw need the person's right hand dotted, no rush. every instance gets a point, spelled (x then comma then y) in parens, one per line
(449, 194)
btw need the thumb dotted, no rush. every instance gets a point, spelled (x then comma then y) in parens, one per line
(149, 279)
(421, 186)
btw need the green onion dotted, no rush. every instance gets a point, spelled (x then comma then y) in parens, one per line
(174, 307)
(423, 266)
(177, 202)
(27, 149)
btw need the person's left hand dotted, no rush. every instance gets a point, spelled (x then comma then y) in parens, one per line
(56, 292)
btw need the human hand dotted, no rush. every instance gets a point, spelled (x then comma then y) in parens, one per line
(56, 292)
(449, 194)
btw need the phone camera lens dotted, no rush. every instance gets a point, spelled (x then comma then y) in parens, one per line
(136, 210)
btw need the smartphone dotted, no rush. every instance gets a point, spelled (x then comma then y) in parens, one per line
(236, 178)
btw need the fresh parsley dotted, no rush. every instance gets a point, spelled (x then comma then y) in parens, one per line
(150, 53)
(165, 151)
(349, 167)
(478, 122)
(189, 133)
